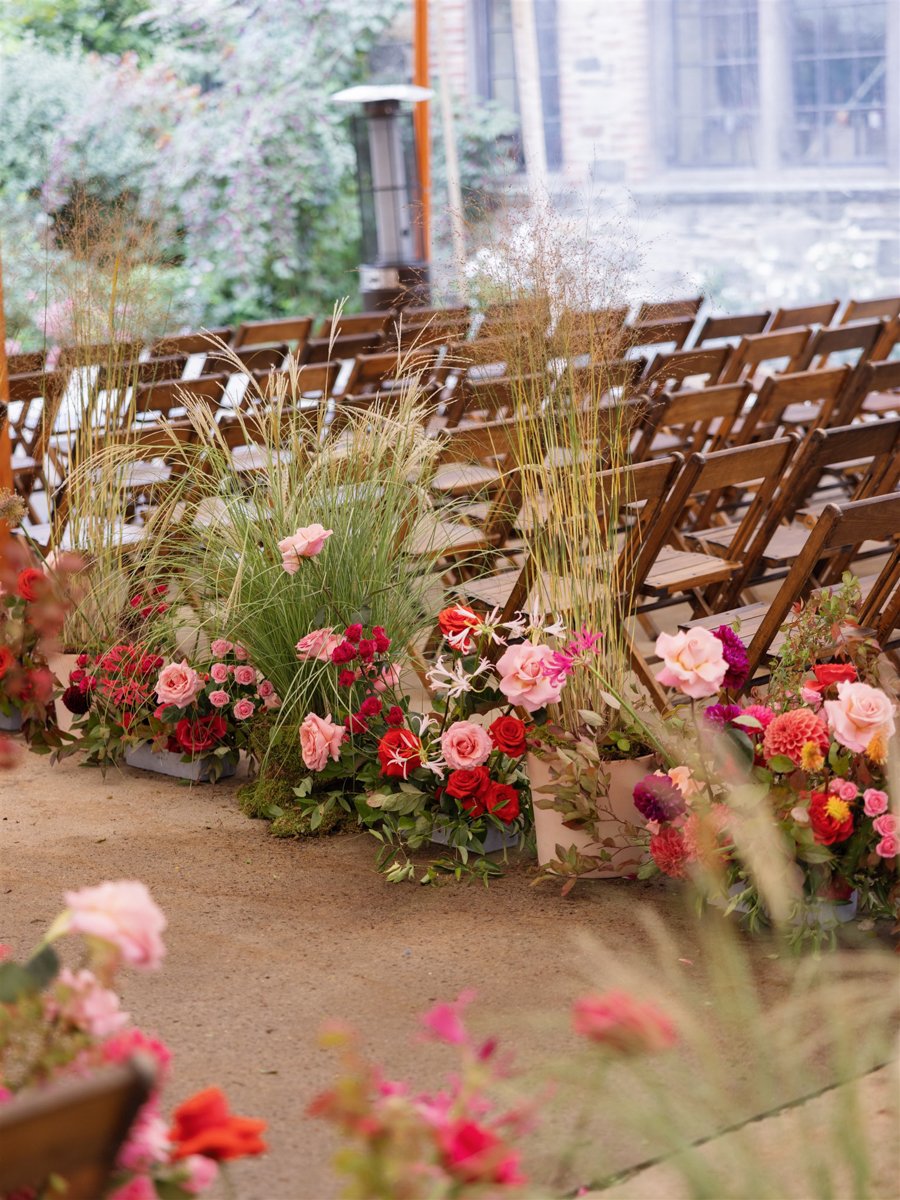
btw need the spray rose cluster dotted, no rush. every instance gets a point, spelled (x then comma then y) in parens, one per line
(59, 1022)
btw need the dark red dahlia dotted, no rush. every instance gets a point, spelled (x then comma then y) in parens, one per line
(657, 798)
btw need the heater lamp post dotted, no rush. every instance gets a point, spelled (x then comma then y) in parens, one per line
(394, 270)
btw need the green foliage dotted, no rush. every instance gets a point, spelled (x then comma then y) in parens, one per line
(100, 26)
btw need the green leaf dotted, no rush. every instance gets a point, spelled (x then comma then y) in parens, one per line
(43, 967)
(781, 764)
(304, 787)
(15, 982)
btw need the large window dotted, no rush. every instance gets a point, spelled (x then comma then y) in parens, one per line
(715, 83)
(497, 64)
(839, 81)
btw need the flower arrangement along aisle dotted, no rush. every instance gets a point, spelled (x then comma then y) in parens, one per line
(34, 602)
(455, 774)
(130, 699)
(811, 762)
(60, 1022)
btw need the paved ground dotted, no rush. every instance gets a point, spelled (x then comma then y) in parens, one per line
(268, 938)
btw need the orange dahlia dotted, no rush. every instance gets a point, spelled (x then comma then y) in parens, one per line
(791, 731)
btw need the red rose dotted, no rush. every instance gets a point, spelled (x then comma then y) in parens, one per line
(31, 584)
(473, 806)
(395, 715)
(399, 752)
(828, 673)
(508, 736)
(830, 818)
(370, 707)
(7, 658)
(194, 737)
(454, 623)
(463, 784)
(203, 1125)
(503, 801)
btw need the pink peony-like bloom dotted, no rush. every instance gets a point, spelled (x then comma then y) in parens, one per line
(885, 825)
(123, 914)
(888, 846)
(319, 738)
(623, 1023)
(875, 802)
(265, 689)
(178, 684)
(84, 1002)
(219, 648)
(218, 672)
(306, 542)
(318, 645)
(219, 699)
(693, 662)
(202, 1173)
(465, 745)
(245, 676)
(138, 1187)
(444, 1022)
(243, 709)
(477, 1155)
(761, 713)
(859, 714)
(790, 731)
(523, 677)
(845, 788)
(123, 1046)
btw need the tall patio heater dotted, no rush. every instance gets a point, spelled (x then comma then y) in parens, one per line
(394, 270)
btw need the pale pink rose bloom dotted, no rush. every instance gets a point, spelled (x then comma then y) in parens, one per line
(811, 697)
(219, 672)
(522, 678)
(240, 652)
(318, 645)
(860, 713)
(693, 662)
(243, 709)
(465, 745)
(623, 1023)
(844, 788)
(178, 684)
(202, 1173)
(875, 802)
(219, 699)
(123, 914)
(885, 825)
(245, 675)
(87, 1004)
(273, 701)
(684, 780)
(888, 846)
(265, 689)
(306, 542)
(389, 678)
(319, 738)
(220, 647)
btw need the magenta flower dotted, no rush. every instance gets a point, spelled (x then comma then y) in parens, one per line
(562, 663)
(735, 653)
(657, 798)
(444, 1022)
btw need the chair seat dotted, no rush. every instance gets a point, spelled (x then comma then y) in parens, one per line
(462, 479)
(142, 475)
(679, 570)
(881, 403)
(257, 458)
(436, 538)
(801, 414)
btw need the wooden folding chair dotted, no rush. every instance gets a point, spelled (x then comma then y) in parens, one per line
(199, 342)
(672, 331)
(389, 370)
(294, 330)
(786, 345)
(874, 390)
(260, 358)
(28, 363)
(667, 372)
(526, 319)
(339, 348)
(166, 399)
(692, 421)
(808, 314)
(313, 381)
(854, 342)
(665, 310)
(34, 403)
(798, 399)
(728, 329)
(490, 399)
(354, 324)
(590, 331)
(71, 1130)
(885, 308)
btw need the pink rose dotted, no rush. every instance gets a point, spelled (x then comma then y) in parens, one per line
(693, 662)
(220, 647)
(219, 672)
(243, 709)
(306, 542)
(887, 847)
(318, 738)
(201, 1173)
(885, 825)
(812, 697)
(240, 652)
(265, 689)
(244, 675)
(273, 701)
(859, 714)
(123, 914)
(844, 788)
(465, 745)
(874, 802)
(178, 684)
(82, 1001)
(219, 699)
(389, 678)
(318, 645)
(522, 677)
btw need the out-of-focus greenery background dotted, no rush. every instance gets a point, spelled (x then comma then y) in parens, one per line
(209, 121)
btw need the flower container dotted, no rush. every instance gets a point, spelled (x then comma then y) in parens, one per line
(818, 914)
(618, 811)
(11, 723)
(167, 762)
(494, 839)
